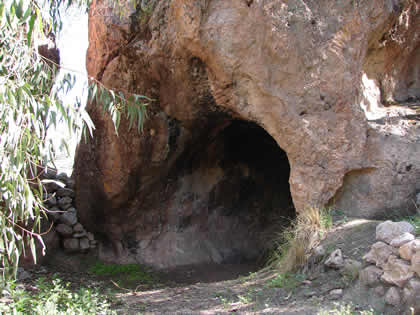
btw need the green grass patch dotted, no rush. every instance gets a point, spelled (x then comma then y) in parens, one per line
(287, 281)
(415, 221)
(126, 275)
(53, 298)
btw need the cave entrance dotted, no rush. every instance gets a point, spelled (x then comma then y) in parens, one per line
(233, 197)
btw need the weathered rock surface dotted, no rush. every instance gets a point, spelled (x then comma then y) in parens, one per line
(397, 271)
(64, 230)
(388, 230)
(415, 263)
(379, 253)
(393, 296)
(316, 76)
(335, 260)
(71, 244)
(370, 275)
(409, 249)
(402, 239)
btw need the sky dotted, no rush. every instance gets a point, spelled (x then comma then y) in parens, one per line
(72, 43)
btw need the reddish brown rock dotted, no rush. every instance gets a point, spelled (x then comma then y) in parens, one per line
(254, 106)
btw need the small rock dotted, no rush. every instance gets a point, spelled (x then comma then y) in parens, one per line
(80, 234)
(335, 260)
(352, 267)
(22, 274)
(411, 291)
(337, 292)
(393, 296)
(379, 253)
(71, 244)
(54, 213)
(379, 290)
(319, 253)
(397, 271)
(402, 239)
(310, 294)
(62, 177)
(72, 209)
(418, 199)
(65, 192)
(64, 230)
(64, 206)
(71, 183)
(389, 230)
(84, 244)
(90, 236)
(370, 275)
(68, 218)
(409, 249)
(51, 200)
(78, 228)
(42, 270)
(415, 263)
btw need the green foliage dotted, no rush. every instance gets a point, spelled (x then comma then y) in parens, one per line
(287, 281)
(54, 298)
(124, 273)
(415, 221)
(29, 105)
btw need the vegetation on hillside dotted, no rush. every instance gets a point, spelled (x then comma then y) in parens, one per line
(29, 105)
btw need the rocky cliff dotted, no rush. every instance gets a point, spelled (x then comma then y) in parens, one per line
(261, 108)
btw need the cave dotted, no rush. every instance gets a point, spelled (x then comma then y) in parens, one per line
(227, 198)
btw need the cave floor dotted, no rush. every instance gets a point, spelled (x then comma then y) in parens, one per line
(224, 289)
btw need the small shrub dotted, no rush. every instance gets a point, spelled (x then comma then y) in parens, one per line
(287, 281)
(296, 242)
(415, 221)
(54, 298)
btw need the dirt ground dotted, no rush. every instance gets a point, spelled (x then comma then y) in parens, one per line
(224, 289)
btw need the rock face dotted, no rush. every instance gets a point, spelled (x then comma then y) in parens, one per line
(257, 103)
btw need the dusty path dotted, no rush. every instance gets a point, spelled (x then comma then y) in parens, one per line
(205, 289)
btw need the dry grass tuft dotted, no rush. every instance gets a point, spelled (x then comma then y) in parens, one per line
(296, 242)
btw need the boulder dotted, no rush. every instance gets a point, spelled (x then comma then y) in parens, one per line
(65, 202)
(51, 200)
(379, 253)
(54, 213)
(335, 260)
(65, 192)
(393, 296)
(409, 249)
(64, 230)
(411, 292)
(84, 244)
(77, 228)
(90, 236)
(312, 79)
(71, 244)
(402, 239)
(68, 218)
(415, 263)
(388, 230)
(397, 272)
(80, 234)
(370, 275)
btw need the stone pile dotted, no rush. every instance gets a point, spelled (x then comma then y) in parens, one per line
(394, 264)
(61, 210)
